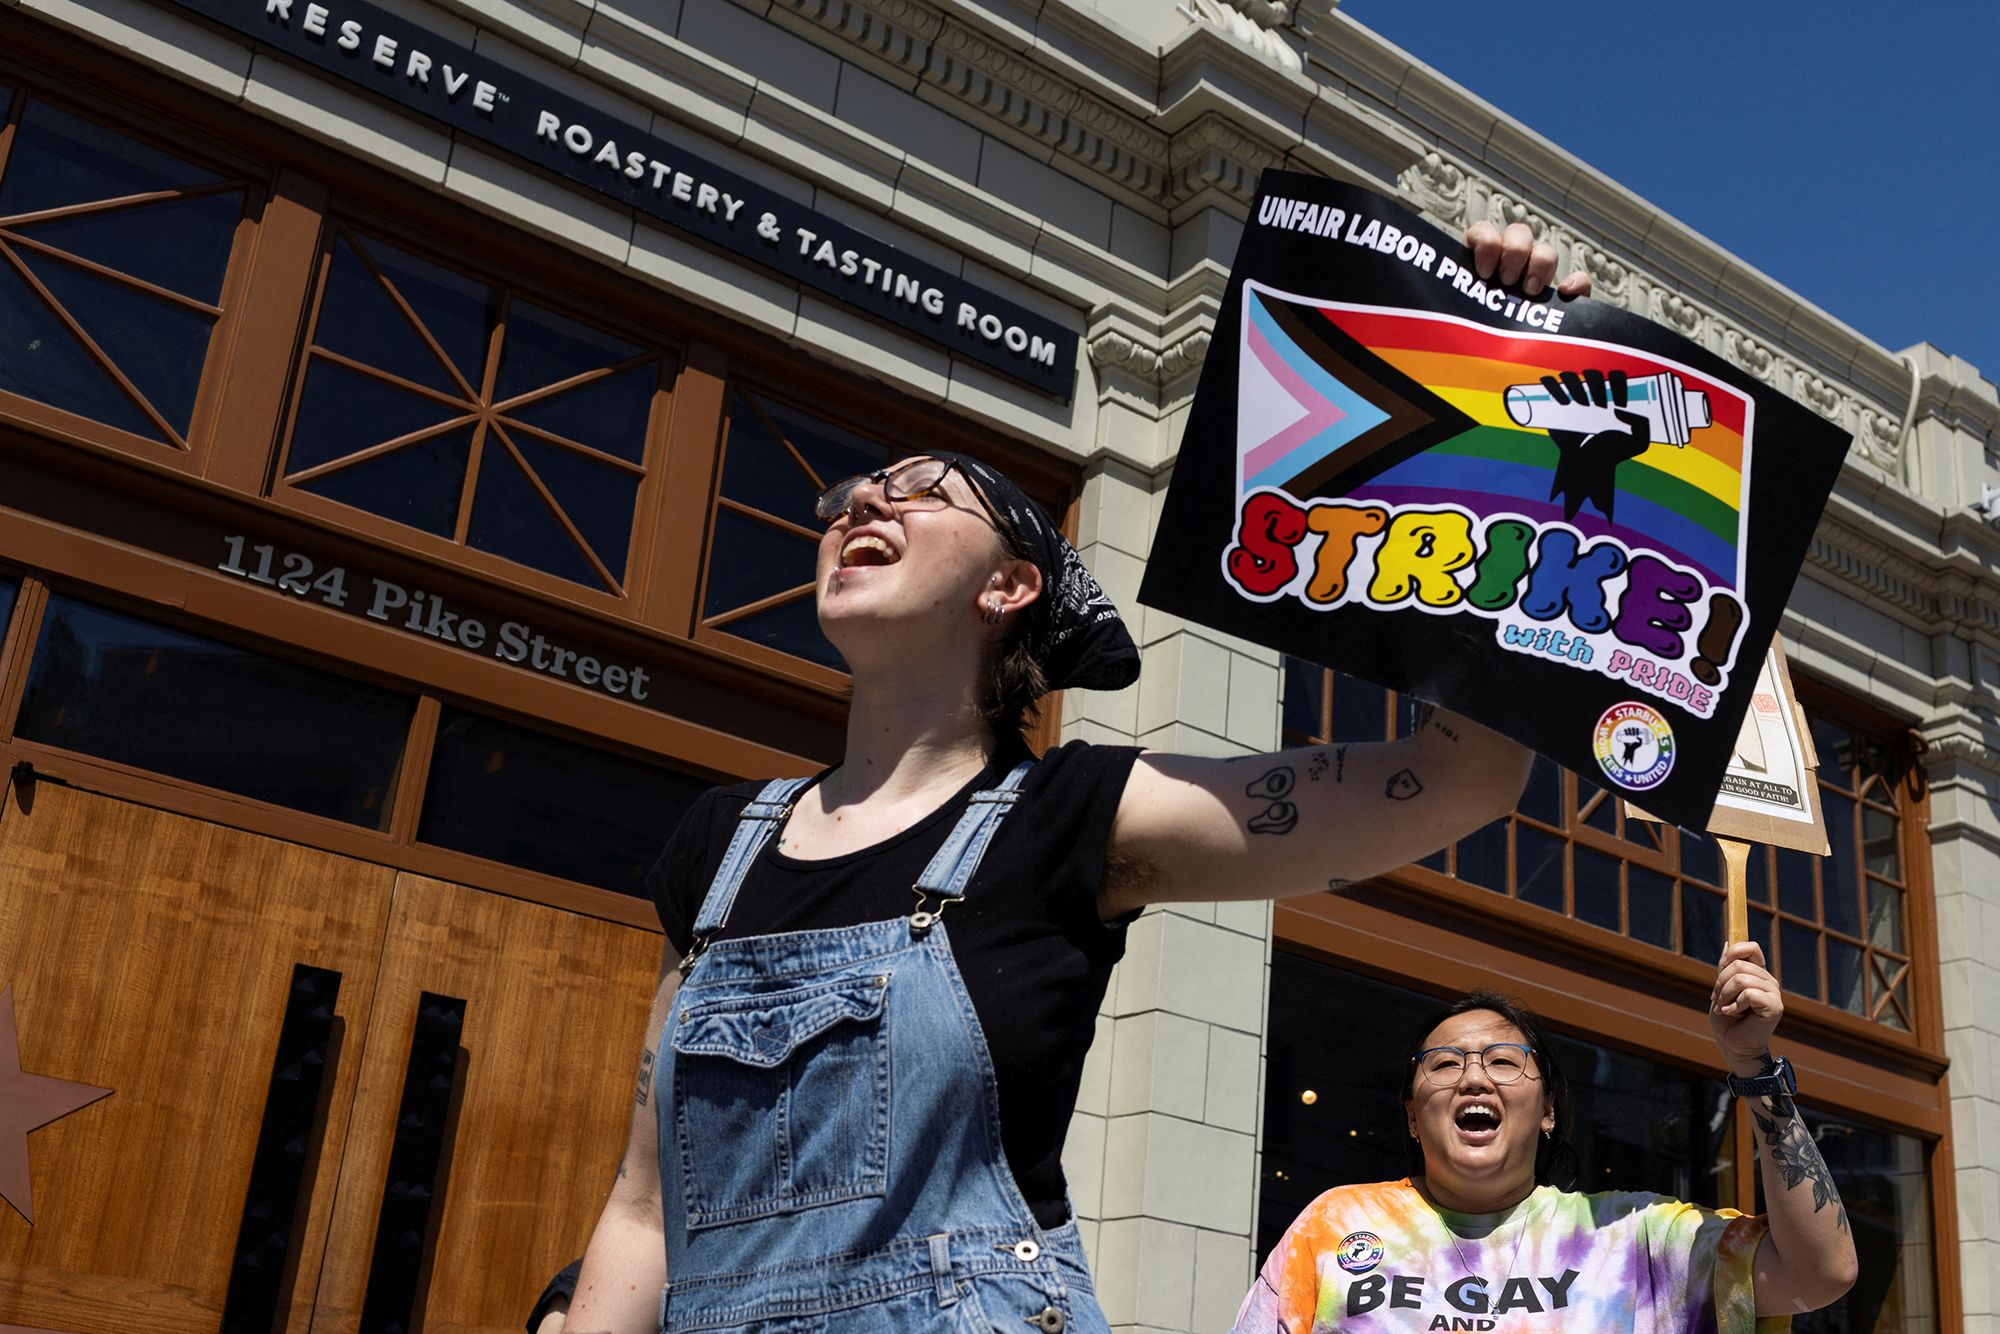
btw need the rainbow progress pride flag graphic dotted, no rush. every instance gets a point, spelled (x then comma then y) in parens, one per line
(1564, 521)
(1405, 407)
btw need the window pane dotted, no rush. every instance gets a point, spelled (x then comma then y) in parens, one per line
(1700, 857)
(1644, 1126)
(1836, 752)
(1482, 857)
(1885, 916)
(608, 414)
(1757, 874)
(1305, 694)
(58, 159)
(1884, 1181)
(832, 453)
(1538, 868)
(1878, 843)
(10, 587)
(598, 499)
(542, 348)
(359, 319)
(417, 484)
(344, 412)
(1604, 815)
(749, 561)
(510, 518)
(1650, 901)
(459, 312)
(180, 244)
(175, 703)
(1701, 923)
(42, 360)
(1799, 965)
(1597, 889)
(1795, 884)
(1542, 800)
(159, 346)
(1360, 710)
(758, 471)
(518, 796)
(792, 627)
(1841, 875)
(1843, 976)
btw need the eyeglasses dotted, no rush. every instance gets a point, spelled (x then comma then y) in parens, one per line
(1504, 1062)
(916, 480)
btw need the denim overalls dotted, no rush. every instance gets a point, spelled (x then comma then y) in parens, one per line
(829, 1125)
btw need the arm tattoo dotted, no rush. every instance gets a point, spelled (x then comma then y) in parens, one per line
(1402, 786)
(1340, 764)
(1317, 765)
(1798, 1160)
(1280, 815)
(645, 1089)
(624, 1169)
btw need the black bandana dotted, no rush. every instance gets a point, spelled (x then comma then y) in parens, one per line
(1074, 631)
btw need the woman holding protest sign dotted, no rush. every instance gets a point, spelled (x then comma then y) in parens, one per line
(865, 1049)
(1483, 1228)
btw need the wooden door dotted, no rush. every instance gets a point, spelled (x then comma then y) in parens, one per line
(456, 1203)
(159, 956)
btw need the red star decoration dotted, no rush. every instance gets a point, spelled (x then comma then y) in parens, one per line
(28, 1102)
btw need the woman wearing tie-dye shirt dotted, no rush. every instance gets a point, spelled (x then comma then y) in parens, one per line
(1480, 1239)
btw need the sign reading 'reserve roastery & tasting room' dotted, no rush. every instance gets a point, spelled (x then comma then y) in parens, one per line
(496, 104)
(1557, 518)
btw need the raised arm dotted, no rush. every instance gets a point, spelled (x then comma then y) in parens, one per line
(1806, 1260)
(618, 1291)
(1298, 821)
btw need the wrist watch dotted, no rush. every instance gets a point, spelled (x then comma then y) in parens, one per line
(1776, 1081)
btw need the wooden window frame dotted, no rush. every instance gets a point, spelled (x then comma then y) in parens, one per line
(203, 151)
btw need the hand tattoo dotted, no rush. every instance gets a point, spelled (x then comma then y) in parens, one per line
(645, 1089)
(1317, 766)
(1280, 815)
(1798, 1159)
(1402, 786)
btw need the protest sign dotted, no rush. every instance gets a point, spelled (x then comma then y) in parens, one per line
(1557, 518)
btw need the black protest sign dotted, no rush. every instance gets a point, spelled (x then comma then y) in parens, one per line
(1557, 518)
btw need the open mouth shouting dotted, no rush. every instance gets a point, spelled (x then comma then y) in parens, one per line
(865, 549)
(1477, 1121)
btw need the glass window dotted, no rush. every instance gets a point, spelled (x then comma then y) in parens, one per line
(459, 408)
(10, 592)
(128, 690)
(1884, 1181)
(518, 796)
(1833, 928)
(112, 256)
(761, 560)
(1333, 1109)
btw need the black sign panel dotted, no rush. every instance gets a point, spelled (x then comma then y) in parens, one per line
(487, 100)
(1557, 518)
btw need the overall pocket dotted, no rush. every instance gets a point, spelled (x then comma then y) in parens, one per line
(781, 1099)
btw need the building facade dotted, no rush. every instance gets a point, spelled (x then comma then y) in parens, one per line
(409, 420)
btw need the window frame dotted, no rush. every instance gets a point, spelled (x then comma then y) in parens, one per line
(202, 150)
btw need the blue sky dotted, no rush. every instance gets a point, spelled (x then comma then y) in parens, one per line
(1850, 150)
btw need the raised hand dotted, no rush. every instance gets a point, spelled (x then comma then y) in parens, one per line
(1745, 1006)
(1587, 462)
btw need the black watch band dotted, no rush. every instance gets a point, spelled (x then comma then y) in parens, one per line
(1777, 1081)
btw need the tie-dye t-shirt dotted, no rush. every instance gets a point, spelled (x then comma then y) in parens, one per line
(1380, 1258)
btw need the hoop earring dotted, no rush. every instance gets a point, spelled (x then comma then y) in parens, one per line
(994, 611)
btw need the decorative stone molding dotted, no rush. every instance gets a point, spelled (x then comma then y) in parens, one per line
(1748, 353)
(1438, 188)
(1250, 22)
(1212, 153)
(1184, 356)
(1116, 350)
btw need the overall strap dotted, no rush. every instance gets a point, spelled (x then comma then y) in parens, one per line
(951, 870)
(761, 818)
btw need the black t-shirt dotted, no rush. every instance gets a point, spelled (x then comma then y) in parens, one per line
(1026, 936)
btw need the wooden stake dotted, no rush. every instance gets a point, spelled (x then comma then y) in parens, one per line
(1735, 889)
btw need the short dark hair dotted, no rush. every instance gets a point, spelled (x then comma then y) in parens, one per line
(1555, 1159)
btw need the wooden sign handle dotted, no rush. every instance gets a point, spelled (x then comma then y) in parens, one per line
(1735, 889)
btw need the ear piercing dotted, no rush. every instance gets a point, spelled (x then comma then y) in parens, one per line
(994, 610)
